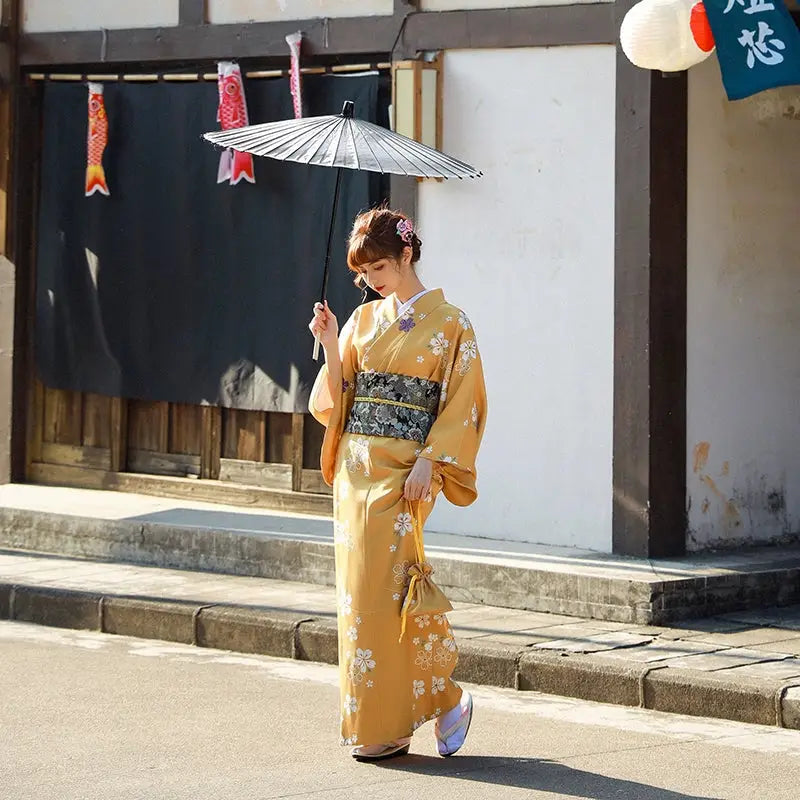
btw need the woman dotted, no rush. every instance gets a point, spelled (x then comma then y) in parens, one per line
(404, 404)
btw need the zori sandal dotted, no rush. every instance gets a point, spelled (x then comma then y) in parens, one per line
(450, 741)
(378, 752)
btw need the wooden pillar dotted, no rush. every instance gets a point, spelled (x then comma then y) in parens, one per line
(9, 80)
(649, 471)
(211, 442)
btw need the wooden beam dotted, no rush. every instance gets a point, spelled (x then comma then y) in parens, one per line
(298, 422)
(192, 12)
(649, 497)
(539, 26)
(188, 488)
(211, 442)
(118, 420)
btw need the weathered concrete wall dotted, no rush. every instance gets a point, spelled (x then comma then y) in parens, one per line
(6, 362)
(528, 251)
(231, 11)
(39, 16)
(77, 15)
(743, 314)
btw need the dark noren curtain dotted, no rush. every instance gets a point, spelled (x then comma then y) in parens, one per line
(176, 288)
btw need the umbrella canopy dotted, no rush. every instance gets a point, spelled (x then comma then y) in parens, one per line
(342, 140)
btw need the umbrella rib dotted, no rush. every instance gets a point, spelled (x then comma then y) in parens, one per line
(413, 157)
(411, 152)
(256, 130)
(350, 127)
(278, 132)
(423, 151)
(326, 130)
(285, 136)
(336, 150)
(324, 140)
(367, 134)
(369, 147)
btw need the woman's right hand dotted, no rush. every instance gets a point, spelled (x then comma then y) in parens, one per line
(324, 325)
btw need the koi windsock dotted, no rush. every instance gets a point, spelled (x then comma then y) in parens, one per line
(232, 113)
(97, 139)
(295, 42)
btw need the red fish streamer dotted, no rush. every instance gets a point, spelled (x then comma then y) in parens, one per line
(97, 139)
(232, 113)
(295, 42)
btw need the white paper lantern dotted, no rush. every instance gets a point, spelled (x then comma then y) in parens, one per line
(667, 35)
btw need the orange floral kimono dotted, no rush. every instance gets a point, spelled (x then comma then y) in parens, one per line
(412, 385)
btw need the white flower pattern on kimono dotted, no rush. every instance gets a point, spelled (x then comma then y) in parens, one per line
(346, 604)
(350, 704)
(358, 456)
(469, 352)
(363, 660)
(342, 535)
(419, 689)
(463, 321)
(370, 684)
(437, 685)
(352, 633)
(403, 524)
(438, 345)
(439, 619)
(423, 620)
(396, 596)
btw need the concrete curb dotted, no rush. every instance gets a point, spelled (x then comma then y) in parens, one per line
(291, 635)
(636, 597)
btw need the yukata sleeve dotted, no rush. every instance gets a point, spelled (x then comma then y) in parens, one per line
(455, 436)
(331, 411)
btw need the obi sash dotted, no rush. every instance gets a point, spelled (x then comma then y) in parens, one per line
(397, 406)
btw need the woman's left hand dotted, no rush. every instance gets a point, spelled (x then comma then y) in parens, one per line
(418, 483)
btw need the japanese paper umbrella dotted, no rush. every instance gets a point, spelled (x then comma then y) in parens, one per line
(344, 142)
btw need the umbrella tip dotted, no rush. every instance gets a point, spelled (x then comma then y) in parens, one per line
(348, 108)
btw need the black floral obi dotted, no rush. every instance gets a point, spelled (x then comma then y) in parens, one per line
(393, 405)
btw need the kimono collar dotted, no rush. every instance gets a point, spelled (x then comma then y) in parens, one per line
(387, 307)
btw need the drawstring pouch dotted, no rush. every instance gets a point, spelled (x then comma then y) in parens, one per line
(423, 596)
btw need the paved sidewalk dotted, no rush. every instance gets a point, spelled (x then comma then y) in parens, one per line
(743, 666)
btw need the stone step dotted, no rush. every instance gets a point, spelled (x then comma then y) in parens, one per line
(200, 536)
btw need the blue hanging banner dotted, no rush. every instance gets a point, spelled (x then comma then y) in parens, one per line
(758, 45)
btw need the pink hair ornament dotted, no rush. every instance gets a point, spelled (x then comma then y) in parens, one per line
(405, 230)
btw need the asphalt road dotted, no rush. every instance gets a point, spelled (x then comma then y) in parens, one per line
(86, 715)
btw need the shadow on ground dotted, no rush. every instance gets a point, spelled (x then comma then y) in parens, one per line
(534, 773)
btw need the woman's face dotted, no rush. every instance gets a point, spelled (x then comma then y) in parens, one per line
(386, 275)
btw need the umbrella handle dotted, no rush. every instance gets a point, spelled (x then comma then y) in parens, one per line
(316, 348)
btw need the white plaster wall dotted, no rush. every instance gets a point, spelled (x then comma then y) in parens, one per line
(744, 314)
(233, 11)
(459, 5)
(528, 252)
(40, 16)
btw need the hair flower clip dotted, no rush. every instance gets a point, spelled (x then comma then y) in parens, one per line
(405, 230)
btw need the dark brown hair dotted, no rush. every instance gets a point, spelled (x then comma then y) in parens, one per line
(374, 236)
